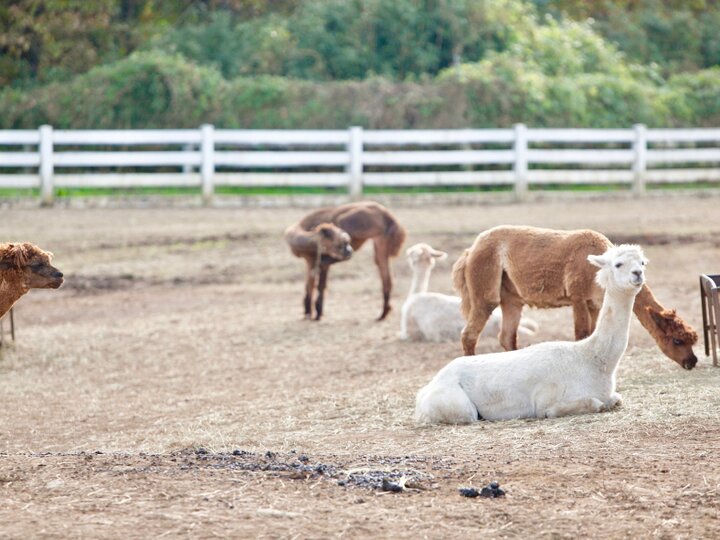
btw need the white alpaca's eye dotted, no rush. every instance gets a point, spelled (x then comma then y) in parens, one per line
(618, 265)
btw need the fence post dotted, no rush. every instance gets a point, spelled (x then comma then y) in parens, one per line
(207, 165)
(521, 161)
(46, 165)
(640, 161)
(355, 164)
(187, 169)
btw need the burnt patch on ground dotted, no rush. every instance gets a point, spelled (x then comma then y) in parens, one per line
(381, 473)
(376, 475)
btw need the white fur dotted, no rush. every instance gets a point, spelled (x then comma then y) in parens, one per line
(548, 379)
(430, 316)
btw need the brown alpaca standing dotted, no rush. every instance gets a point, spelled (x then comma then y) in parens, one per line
(362, 221)
(511, 266)
(322, 246)
(24, 267)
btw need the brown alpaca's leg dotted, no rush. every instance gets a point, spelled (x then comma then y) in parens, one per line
(476, 322)
(581, 316)
(322, 282)
(511, 314)
(309, 288)
(383, 263)
(594, 310)
(484, 284)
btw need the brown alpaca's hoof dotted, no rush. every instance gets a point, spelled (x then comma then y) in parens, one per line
(383, 315)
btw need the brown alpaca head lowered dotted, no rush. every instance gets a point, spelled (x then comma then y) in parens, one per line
(25, 266)
(674, 336)
(333, 241)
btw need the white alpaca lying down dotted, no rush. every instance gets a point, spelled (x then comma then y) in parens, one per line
(430, 316)
(548, 379)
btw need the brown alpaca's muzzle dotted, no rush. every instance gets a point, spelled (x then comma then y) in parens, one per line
(57, 280)
(689, 362)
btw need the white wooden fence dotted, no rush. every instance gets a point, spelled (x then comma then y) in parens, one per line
(206, 158)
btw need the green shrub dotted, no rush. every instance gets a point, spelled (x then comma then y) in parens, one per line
(143, 90)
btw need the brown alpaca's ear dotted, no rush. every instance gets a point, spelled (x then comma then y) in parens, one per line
(659, 318)
(325, 230)
(15, 256)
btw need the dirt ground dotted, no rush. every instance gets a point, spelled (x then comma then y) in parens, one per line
(172, 389)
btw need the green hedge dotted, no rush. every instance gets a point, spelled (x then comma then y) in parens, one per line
(153, 90)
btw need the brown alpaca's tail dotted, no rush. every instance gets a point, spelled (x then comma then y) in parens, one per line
(395, 234)
(460, 283)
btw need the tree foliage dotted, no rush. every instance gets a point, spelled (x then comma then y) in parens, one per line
(377, 63)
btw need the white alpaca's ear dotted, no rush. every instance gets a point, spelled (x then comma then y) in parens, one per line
(438, 254)
(597, 260)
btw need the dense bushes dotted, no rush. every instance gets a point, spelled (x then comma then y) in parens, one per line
(382, 64)
(151, 90)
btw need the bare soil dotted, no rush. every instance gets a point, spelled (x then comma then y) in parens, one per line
(172, 389)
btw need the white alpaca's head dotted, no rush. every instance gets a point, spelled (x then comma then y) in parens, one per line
(421, 256)
(622, 268)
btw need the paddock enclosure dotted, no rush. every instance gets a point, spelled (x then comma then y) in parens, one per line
(171, 388)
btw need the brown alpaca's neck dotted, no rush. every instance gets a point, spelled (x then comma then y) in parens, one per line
(302, 241)
(646, 299)
(10, 292)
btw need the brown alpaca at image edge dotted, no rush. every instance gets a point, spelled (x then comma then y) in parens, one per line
(511, 266)
(361, 221)
(24, 266)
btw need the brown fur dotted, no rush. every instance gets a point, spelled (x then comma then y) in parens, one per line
(24, 266)
(363, 221)
(512, 266)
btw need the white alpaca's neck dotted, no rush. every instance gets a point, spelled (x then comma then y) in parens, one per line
(608, 342)
(420, 280)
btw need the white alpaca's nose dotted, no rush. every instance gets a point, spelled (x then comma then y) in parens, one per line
(638, 277)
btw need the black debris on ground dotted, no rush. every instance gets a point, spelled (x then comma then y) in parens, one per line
(491, 491)
(389, 485)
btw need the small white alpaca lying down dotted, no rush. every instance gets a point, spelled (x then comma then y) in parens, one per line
(548, 379)
(430, 316)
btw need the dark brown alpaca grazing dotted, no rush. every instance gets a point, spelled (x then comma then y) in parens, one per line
(512, 266)
(362, 221)
(24, 267)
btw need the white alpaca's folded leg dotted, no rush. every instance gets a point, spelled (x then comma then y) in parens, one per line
(522, 331)
(580, 406)
(529, 325)
(614, 401)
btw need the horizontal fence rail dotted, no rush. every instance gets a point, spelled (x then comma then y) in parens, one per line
(205, 158)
